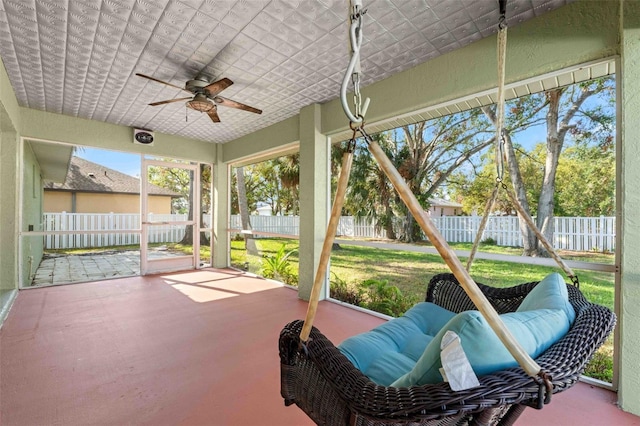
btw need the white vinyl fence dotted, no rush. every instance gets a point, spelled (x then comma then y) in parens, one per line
(81, 222)
(571, 233)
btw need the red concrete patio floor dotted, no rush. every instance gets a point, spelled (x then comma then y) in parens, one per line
(192, 348)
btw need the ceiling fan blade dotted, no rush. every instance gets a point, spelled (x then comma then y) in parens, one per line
(160, 81)
(218, 86)
(169, 101)
(233, 104)
(213, 114)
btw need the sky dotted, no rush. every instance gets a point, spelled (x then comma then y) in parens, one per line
(130, 163)
(123, 162)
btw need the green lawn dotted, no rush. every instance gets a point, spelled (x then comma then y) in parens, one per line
(411, 271)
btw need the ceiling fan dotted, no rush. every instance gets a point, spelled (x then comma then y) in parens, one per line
(205, 96)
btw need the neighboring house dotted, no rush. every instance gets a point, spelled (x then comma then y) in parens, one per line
(264, 210)
(442, 207)
(92, 188)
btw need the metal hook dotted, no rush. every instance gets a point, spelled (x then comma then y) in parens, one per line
(355, 37)
(502, 22)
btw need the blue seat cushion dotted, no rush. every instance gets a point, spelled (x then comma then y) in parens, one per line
(392, 349)
(406, 351)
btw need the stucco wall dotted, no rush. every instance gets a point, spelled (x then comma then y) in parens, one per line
(437, 211)
(57, 201)
(79, 131)
(629, 295)
(119, 203)
(31, 247)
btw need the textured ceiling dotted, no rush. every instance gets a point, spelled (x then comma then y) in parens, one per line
(79, 57)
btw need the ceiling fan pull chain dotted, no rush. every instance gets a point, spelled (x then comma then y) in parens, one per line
(353, 69)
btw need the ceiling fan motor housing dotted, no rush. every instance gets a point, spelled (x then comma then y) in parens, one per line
(196, 85)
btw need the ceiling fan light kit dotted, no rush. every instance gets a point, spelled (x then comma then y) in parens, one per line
(200, 103)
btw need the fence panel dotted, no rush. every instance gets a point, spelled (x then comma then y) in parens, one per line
(288, 225)
(82, 222)
(571, 233)
(585, 233)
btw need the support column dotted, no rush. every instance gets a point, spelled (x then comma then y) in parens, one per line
(629, 295)
(315, 190)
(220, 211)
(9, 187)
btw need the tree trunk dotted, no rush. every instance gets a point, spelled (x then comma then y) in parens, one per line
(188, 236)
(529, 240)
(555, 141)
(385, 195)
(187, 240)
(243, 206)
(556, 131)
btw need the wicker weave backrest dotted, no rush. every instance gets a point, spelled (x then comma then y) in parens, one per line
(444, 290)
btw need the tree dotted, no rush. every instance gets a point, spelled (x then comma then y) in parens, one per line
(182, 181)
(425, 154)
(280, 179)
(566, 111)
(586, 180)
(290, 178)
(528, 236)
(370, 193)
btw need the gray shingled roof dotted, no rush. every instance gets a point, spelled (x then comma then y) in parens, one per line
(441, 202)
(85, 176)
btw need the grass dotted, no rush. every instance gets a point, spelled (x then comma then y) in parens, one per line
(411, 271)
(241, 259)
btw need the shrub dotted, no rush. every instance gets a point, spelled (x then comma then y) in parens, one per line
(376, 295)
(340, 290)
(278, 266)
(489, 242)
(387, 299)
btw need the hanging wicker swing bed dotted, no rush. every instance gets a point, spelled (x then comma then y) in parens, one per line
(321, 380)
(329, 389)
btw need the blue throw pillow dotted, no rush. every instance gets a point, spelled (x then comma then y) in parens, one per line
(543, 317)
(550, 293)
(535, 330)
